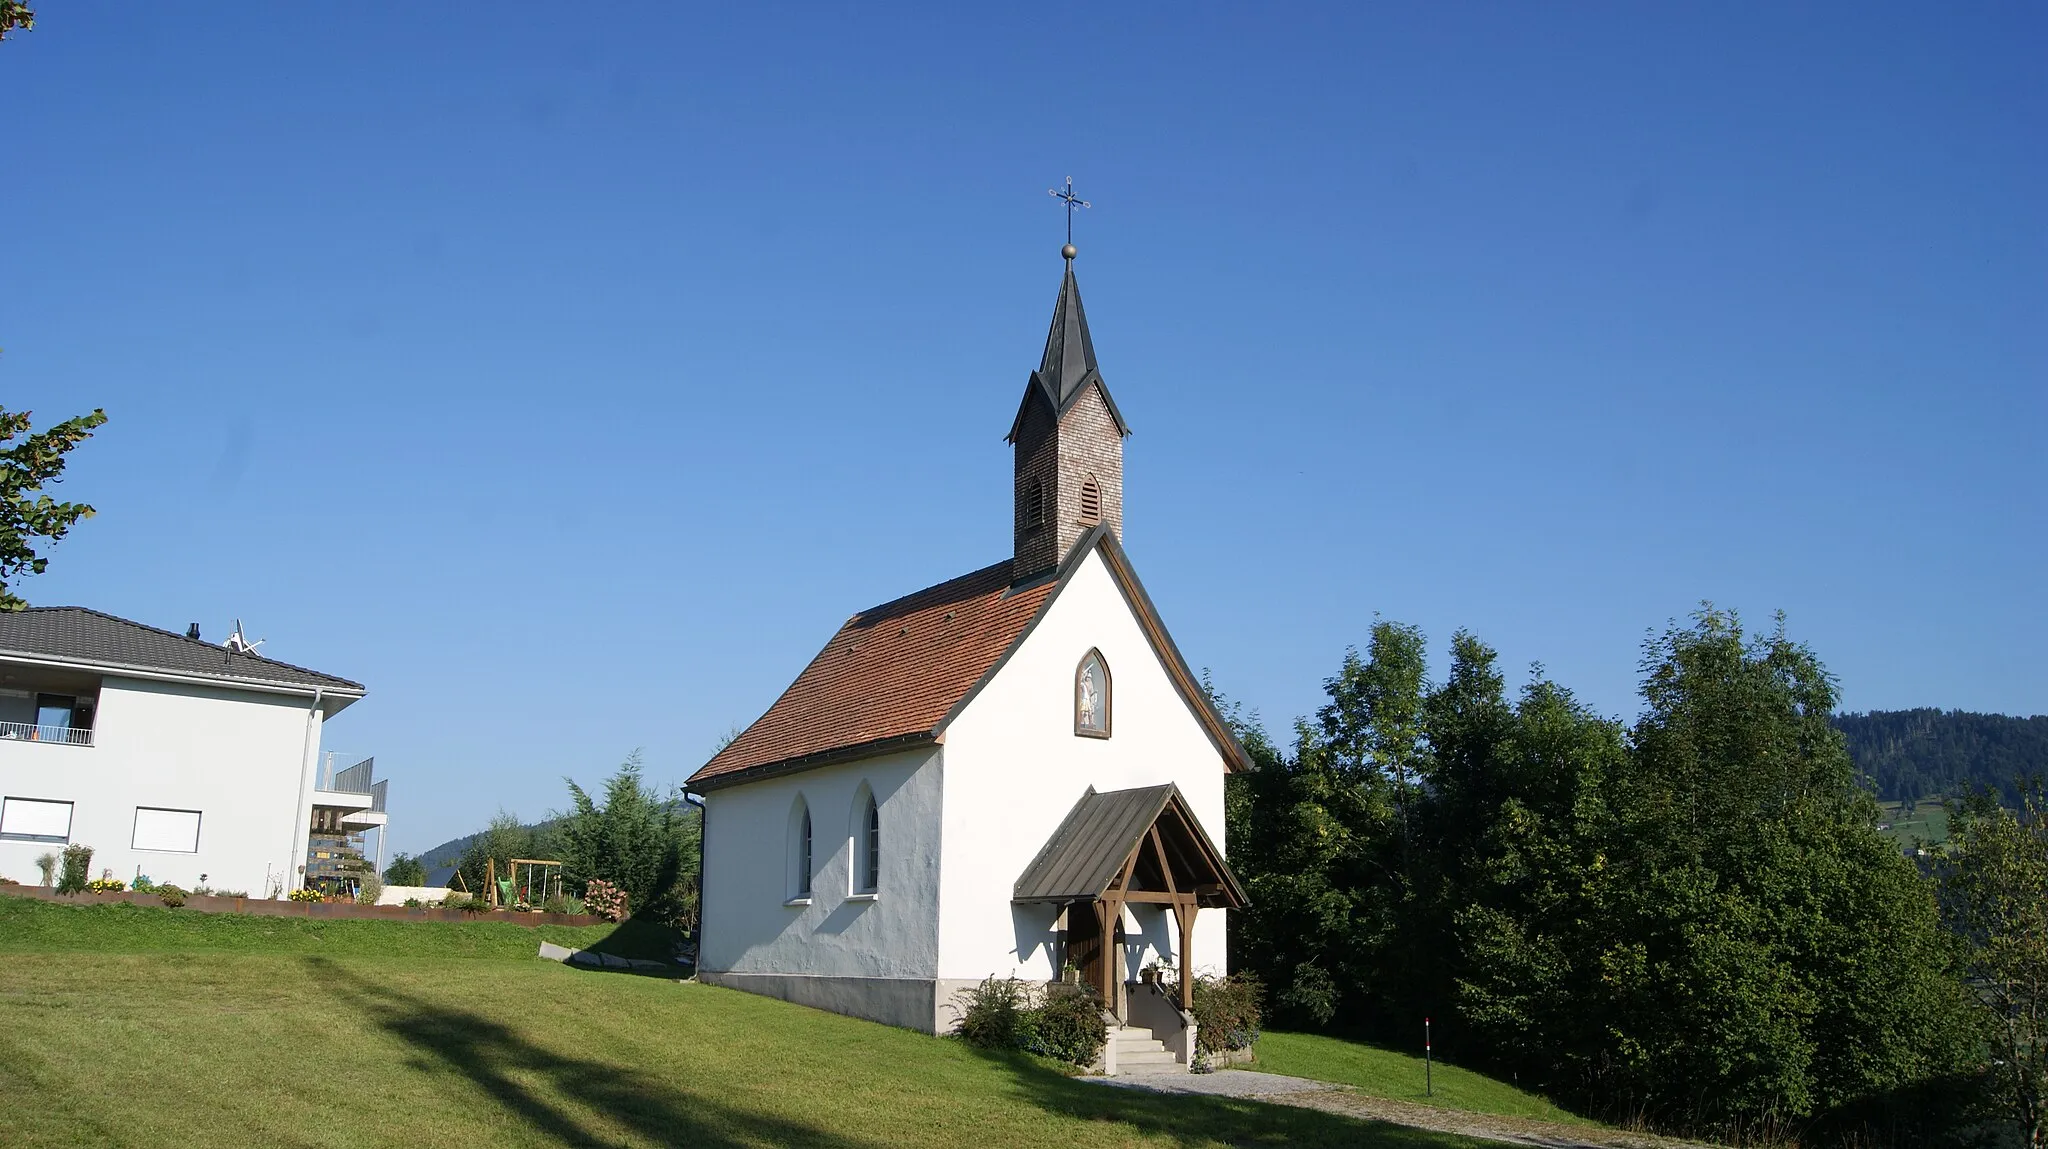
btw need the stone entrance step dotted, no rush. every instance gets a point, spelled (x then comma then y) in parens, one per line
(1138, 1051)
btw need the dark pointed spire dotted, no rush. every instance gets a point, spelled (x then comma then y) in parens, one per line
(1068, 366)
(1069, 362)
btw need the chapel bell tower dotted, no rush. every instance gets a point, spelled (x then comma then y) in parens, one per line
(1069, 439)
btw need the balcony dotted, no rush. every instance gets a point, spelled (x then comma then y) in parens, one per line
(348, 800)
(54, 734)
(46, 705)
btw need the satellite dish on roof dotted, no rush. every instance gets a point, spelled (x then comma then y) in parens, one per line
(239, 644)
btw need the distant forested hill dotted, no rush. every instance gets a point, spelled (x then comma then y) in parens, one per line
(440, 860)
(1939, 753)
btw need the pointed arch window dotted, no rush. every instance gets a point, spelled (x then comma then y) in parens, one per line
(800, 851)
(1092, 696)
(867, 844)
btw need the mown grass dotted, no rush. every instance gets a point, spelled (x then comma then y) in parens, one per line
(1927, 825)
(27, 925)
(1385, 1073)
(143, 1028)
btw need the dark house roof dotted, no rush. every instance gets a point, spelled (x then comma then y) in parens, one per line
(896, 674)
(1100, 834)
(78, 636)
(1068, 366)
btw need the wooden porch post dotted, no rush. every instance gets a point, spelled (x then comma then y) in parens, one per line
(1107, 912)
(1184, 916)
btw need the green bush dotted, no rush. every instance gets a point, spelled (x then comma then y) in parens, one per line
(994, 1015)
(47, 863)
(1227, 1013)
(1067, 1027)
(77, 865)
(142, 884)
(1064, 1023)
(414, 903)
(171, 895)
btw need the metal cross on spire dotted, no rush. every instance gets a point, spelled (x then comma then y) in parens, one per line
(1072, 201)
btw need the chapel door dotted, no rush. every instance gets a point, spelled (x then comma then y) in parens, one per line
(1084, 941)
(1085, 949)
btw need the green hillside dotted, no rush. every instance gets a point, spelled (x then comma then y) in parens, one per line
(137, 1026)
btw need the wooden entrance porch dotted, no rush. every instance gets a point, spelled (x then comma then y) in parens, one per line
(1145, 847)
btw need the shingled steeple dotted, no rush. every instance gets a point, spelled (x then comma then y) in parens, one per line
(1069, 437)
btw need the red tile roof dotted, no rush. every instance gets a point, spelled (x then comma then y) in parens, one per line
(892, 672)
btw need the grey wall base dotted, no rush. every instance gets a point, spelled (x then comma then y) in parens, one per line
(908, 1002)
(928, 1005)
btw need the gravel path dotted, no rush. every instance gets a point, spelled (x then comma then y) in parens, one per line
(1343, 1099)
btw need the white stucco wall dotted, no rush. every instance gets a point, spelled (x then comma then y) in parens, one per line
(237, 757)
(749, 929)
(1014, 768)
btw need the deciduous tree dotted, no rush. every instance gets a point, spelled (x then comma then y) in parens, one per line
(1995, 896)
(26, 512)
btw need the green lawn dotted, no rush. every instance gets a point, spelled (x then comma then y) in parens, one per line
(139, 1026)
(1927, 824)
(1384, 1073)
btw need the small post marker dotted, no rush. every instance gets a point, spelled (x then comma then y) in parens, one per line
(1428, 1078)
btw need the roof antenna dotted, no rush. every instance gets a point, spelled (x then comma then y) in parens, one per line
(240, 645)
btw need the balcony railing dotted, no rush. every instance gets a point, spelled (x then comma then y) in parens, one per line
(43, 732)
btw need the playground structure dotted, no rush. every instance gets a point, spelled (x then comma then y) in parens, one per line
(543, 881)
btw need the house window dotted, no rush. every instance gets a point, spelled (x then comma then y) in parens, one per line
(173, 831)
(867, 843)
(1091, 501)
(35, 820)
(800, 852)
(1034, 505)
(1091, 696)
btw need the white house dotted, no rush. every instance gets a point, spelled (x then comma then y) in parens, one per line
(1007, 772)
(183, 760)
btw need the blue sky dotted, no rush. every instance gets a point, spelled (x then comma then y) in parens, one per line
(568, 377)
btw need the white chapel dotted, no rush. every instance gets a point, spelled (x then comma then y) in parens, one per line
(1012, 771)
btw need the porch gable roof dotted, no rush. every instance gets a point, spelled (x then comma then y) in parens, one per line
(1094, 845)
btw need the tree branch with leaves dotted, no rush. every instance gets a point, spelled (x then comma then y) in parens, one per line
(27, 514)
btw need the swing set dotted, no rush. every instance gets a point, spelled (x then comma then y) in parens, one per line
(543, 880)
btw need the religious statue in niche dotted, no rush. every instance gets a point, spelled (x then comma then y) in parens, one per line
(1091, 697)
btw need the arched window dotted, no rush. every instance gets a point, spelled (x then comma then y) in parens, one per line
(1091, 696)
(1034, 505)
(800, 850)
(867, 843)
(1091, 501)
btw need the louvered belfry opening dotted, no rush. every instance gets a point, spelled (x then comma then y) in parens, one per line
(1091, 502)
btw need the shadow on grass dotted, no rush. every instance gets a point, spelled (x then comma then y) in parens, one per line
(1194, 1118)
(495, 1058)
(638, 939)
